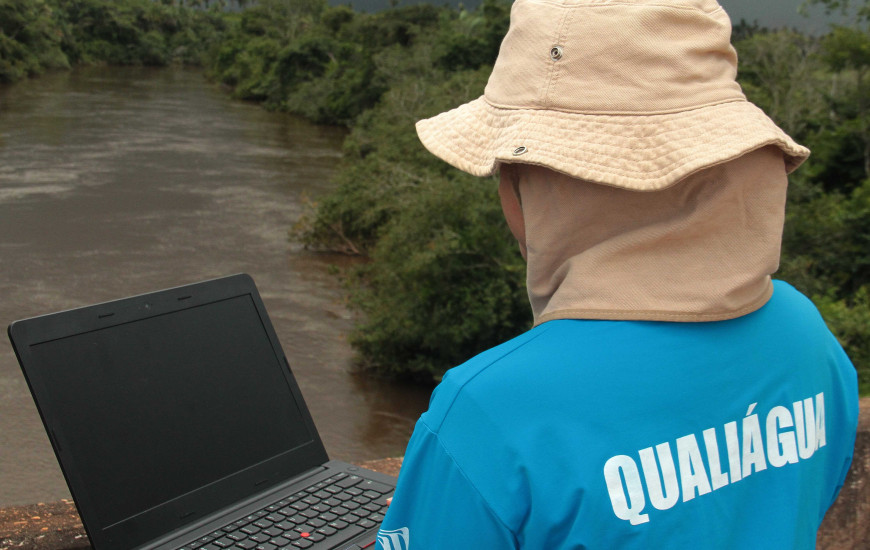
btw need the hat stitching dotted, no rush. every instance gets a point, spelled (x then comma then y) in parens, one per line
(606, 4)
(604, 118)
(555, 65)
(634, 143)
(501, 121)
(654, 180)
(652, 314)
(604, 151)
(723, 141)
(678, 170)
(626, 142)
(508, 109)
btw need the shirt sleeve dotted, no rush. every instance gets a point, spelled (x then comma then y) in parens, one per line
(436, 506)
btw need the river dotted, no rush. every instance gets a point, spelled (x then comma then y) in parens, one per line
(116, 182)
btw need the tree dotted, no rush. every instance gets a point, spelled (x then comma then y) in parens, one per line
(847, 51)
(860, 8)
(29, 39)
(779, 73)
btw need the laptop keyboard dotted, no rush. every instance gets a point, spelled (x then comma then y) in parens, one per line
(320, 516)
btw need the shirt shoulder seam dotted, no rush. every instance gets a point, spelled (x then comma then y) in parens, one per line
(542, 329)
(471, 484)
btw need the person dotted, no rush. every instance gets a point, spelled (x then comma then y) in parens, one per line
(670, 393)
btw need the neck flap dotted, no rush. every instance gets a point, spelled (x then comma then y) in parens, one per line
(700, 250)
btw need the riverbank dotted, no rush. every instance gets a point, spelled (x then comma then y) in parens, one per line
(56, 526)
(170, 183)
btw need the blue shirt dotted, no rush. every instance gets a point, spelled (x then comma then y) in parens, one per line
(631, 434)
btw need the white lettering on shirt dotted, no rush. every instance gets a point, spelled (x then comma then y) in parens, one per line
(788, 436)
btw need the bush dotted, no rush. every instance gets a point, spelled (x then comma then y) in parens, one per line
(446, 281)
(133, 32)
(29, 40)
(850, 321)
(439, 289)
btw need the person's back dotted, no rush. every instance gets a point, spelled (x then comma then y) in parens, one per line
(670, 395)
(633, 434)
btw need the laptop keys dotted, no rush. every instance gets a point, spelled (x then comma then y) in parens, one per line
(319, 517)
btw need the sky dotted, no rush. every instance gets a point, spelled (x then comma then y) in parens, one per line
(777, 14)
(768, 13)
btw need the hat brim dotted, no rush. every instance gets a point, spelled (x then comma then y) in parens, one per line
(638, 152)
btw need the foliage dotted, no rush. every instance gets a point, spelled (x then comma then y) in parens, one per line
(859, 8)
(846, 53)
(444, 279)
(779, 73)
(826, 242)
(852, 321)
(445, 282)
(472, 39)
(36, 35)
(404, 209)
(134, 32)
(265, 47)
(29, 39)
(815, 88)
(396, 203)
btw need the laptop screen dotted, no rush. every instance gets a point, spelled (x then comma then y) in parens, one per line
(155, 409)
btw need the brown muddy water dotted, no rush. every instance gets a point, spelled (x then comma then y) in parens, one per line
(121, 181)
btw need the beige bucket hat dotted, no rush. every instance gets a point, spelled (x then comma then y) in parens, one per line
(636, 94)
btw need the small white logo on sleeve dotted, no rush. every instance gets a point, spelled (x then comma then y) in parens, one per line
(397, 539)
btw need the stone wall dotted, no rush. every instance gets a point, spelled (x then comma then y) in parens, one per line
(56, 526)
(847, 523)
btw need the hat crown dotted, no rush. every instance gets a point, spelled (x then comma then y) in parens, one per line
(615, 56)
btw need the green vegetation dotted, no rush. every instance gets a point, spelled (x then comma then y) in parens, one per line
(40, 35)
(444, 279)
(816, 89)
(443, 284)
(29, 40)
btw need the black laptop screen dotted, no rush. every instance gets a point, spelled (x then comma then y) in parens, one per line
(222, 395)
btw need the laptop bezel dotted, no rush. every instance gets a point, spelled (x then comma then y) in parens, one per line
(196, 506)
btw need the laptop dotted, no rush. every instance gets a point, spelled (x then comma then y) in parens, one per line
(178, 424)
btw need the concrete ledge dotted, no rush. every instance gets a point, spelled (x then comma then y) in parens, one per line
(53, 525)
(56, 525)
(847, 523)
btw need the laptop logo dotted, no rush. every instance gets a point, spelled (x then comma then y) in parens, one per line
(397, 539)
